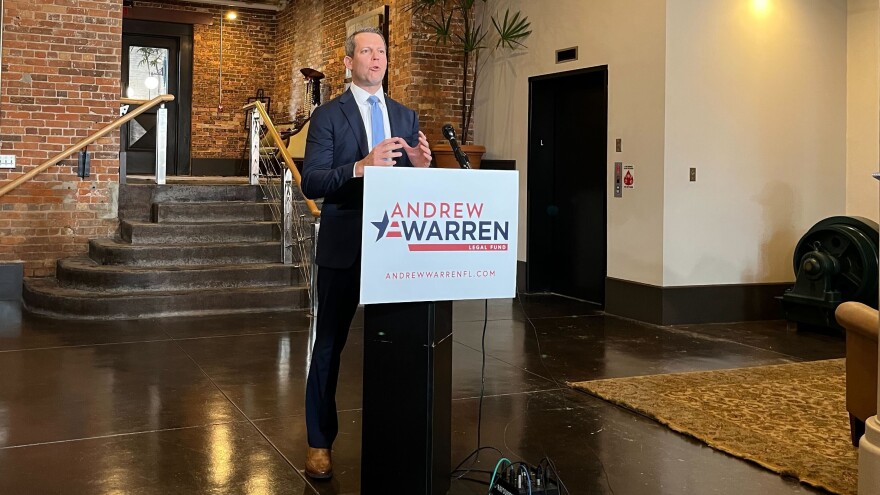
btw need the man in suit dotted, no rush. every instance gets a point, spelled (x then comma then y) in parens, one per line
(361, 128)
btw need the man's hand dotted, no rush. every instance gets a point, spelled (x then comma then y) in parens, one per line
(382, 155)
(420, 155)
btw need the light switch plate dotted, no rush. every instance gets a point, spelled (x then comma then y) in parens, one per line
(7, 161)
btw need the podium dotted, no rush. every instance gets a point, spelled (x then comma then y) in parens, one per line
(430, 236)
(407, 397)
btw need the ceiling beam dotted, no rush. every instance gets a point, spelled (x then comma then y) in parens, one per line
(166, 15)
(243, 5)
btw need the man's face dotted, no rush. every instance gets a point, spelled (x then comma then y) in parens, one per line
(369, 62)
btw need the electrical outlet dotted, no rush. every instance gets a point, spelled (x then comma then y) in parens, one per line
(693, 174)
(619, 145)
(7, 161)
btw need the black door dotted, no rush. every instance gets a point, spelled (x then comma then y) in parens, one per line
(157, 59)
(568, 139)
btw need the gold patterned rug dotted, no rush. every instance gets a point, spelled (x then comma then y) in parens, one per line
(789, 418)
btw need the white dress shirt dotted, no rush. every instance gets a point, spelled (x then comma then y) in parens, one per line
(360, 96)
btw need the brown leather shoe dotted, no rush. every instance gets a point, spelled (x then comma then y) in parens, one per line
(318, 464)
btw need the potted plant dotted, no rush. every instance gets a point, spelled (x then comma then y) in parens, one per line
(455, 23)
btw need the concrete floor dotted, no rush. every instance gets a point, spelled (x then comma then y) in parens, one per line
(215, 404)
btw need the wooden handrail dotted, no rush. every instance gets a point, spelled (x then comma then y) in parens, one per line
(133, 101)
(279, 143)
(85, 142)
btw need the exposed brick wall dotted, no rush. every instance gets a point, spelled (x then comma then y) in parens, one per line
(248, 64)
(60, 83)
(434, 81)
(421, 74)
(263, 49)
(298, 44)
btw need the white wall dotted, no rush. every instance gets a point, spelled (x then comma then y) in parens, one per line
(862, 107)
(629, 37)
(756, 101)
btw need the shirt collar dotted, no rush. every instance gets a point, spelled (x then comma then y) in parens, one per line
(361, 95)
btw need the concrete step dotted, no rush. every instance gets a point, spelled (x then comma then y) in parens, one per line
(211, 212)
(45, 296)
(186, 249)
(117, 252)
(177, 193)
(136, 200)
(169, 233)
(82, 273)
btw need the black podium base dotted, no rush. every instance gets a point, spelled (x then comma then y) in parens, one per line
(407, 398)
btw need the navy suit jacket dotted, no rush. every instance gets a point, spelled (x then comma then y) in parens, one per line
(337, 138)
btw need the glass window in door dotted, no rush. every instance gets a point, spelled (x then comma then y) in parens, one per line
(147, 72)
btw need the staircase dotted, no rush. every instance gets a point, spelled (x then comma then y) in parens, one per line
(182, 250)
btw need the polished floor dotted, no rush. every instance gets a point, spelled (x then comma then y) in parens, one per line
(215, 404)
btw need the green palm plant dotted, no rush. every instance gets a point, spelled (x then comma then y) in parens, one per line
(152, 58)
(455, 23)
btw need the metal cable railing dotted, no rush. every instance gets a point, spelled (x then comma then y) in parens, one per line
(273, 169)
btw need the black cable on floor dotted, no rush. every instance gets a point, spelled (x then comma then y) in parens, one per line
(553, 378)
(540, 352)
(482, 376)
(476, 452)
(482, 482)
(469, 470)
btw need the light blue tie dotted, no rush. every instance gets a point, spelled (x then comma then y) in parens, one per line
(377, 124)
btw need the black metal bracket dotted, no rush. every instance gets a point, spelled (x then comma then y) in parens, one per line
(82, 165)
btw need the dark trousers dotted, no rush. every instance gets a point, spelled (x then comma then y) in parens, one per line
(338, 296)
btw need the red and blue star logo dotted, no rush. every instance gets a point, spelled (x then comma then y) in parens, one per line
(387, 228)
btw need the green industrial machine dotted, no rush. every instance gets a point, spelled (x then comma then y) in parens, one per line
(835, 261)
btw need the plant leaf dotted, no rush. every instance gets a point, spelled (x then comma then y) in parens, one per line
(513, 30)
(441, 27)
(419, 6)
(472, 40)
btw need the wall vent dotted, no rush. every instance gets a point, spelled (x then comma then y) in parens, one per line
(566, 54)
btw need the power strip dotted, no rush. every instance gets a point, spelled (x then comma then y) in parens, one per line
(512, 481)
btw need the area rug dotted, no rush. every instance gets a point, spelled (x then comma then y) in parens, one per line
(789, 418)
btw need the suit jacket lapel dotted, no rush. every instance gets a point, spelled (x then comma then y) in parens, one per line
(393, 114)
(353, 115)
(395, 117)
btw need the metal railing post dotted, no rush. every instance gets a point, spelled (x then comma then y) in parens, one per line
(123, 167)
(161, 143)
(313, 273)
(273, 169)
(256, 123)
(287, 218)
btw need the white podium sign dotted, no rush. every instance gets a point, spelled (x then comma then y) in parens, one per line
(438, 234)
